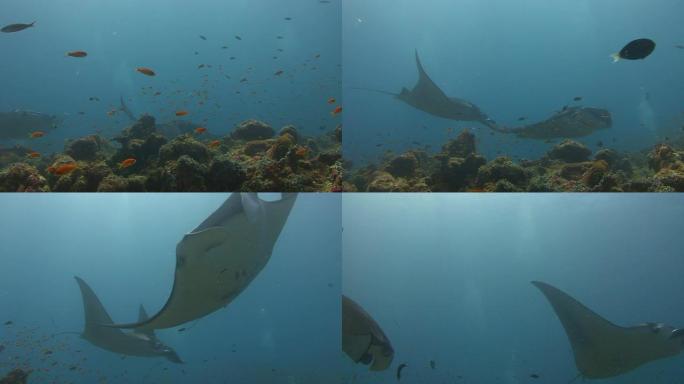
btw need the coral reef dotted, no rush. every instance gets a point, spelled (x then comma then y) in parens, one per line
(21, 177)
(567, 166)
(17, 376)
(141, 158)
(252, 130)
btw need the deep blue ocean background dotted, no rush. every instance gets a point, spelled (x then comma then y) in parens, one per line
(164, 35)
(513, 59)
(447, 276)
(284, 328)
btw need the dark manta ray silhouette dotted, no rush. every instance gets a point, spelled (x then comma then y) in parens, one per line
(218, 259)
(428, 97)
(570, 122)
(134, 343)
(362, 338)
(603, 349)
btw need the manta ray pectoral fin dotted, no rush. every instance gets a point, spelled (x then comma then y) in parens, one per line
(603, 349)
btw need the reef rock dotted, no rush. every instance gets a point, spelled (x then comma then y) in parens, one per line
(184, 146)
(454, 173)
(404, 165)
(21, 177)
(225, 175)
(662, 156)
(462, 146)
(85, 148)
(17, 376)
(502, 168)
(281, 147)
(570, 151)
(385, 182)
(142, 128)
(252, 130)
(289, 130)
(114, 183)
(669, 180)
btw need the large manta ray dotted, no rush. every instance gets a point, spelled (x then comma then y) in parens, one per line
(136, 343)
(218, 259)
(428, 97)
(362, 339)
(603, 349)
(570, 122)
(20, 124)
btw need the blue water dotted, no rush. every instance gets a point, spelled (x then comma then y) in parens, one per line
(513, 59)
(120, 36)
(447, 277)
(284, 328)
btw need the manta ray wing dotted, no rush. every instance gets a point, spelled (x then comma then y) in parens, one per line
(601, 348)
(426, 90)
(219, 259)
(362, 337)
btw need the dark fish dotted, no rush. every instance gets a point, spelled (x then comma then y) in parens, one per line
(16, 27)
(238, 37)
(202, 37)
(288, 18)
(2, 347)
(521, 118)
(679, 46)
(534, 376)
(636, 50)
(433, 365)
(599, 144)
(578, 98)
(399, 368)
(181, 330)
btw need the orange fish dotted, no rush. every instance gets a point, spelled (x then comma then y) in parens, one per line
(127, 163)
(145, 71)
(181, 113)
(33, 155)
(331, 100)
(336, 111)
(200, 130)
(77, 54)
(62, 169)
(37, 134)
(214, 144)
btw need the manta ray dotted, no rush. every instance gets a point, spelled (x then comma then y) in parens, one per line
(603, 349)
(136, 343)
(220, 258)
(20, 124)
(568, 123)
(362, 338)
(428, 97)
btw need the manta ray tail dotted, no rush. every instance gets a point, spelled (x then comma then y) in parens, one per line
(376, 91)
(123, 108)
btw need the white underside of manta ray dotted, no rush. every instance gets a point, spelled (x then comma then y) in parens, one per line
(220, 258)
(603, 349)
(362, 338)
